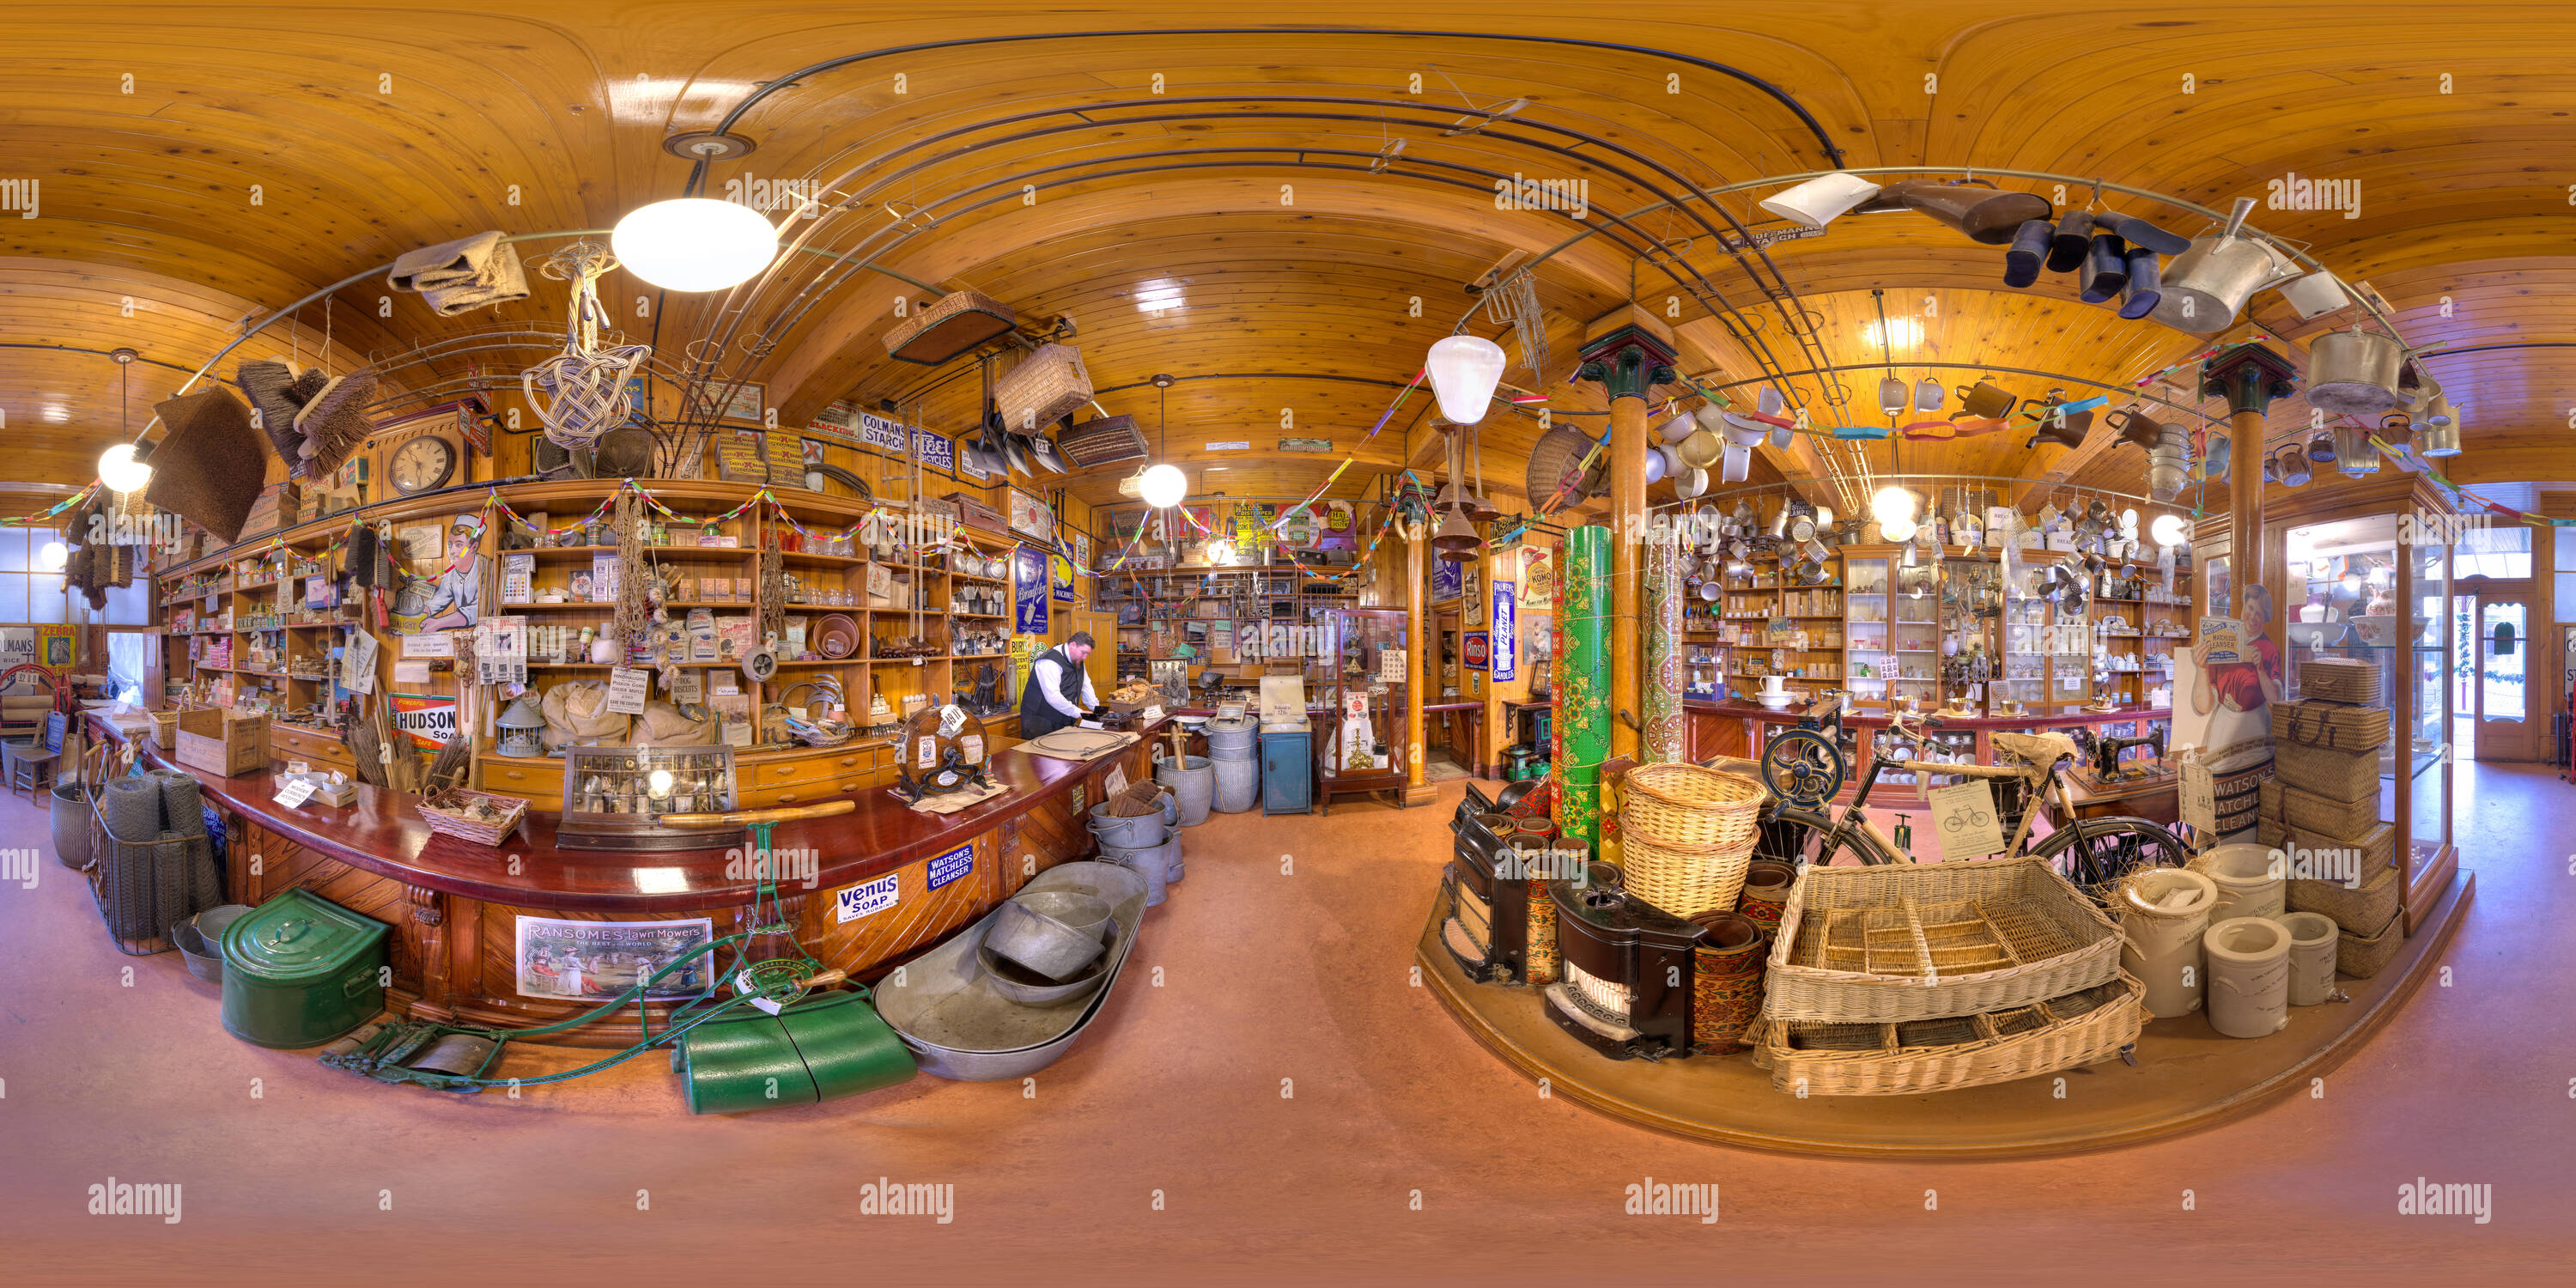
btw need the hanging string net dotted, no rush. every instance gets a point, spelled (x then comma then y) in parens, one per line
(582, 393)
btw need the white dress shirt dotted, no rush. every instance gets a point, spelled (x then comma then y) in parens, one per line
(1049, 677)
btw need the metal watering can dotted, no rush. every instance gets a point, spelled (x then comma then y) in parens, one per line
(2207, 286)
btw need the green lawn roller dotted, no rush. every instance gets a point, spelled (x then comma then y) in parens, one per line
(792, 1033)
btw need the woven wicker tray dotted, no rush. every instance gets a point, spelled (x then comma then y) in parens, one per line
(1924, 941)
(1915, 1056)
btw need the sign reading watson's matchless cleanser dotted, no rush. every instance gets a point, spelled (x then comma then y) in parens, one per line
(952, 865)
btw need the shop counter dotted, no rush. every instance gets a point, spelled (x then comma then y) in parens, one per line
(870, 888)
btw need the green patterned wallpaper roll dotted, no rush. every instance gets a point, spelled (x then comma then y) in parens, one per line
(1583, 681)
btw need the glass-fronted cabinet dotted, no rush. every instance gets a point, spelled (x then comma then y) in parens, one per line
(1870, 656)
(2359, 588)
(1360, 655)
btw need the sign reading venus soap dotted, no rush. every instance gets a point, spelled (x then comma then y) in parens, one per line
(853, 902)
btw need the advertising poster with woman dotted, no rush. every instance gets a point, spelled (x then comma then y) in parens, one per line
(2226, 704)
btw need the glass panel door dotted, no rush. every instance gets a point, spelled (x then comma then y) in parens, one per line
(2504, 698)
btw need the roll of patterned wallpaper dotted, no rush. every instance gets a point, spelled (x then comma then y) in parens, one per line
(1663, 738)
(1583, 682)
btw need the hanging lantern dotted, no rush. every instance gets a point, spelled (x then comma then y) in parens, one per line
(1464, 370)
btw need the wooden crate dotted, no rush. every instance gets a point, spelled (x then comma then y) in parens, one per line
(223, 743)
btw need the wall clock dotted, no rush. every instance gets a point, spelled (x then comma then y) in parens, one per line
(423, 464)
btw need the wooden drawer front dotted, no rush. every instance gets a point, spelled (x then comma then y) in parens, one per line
(847, 786)
(297, 744)
(813, 769)
(541, 781)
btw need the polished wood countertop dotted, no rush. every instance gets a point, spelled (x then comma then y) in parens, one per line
(382, 832)
(1872, 719)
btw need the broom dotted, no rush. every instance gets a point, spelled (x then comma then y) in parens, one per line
(448, 768)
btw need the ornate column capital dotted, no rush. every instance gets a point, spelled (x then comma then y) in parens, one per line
(2249, 379)
(1628, 361)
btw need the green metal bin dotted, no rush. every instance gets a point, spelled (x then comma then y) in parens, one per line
(823, 1047)
(300, 971)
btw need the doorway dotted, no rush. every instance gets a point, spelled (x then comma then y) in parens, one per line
(2492, 700)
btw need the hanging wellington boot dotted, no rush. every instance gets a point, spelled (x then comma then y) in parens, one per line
(2138, 232)
(2106, 269)
(2029, 247)
(2074, 237)
(2139, 297)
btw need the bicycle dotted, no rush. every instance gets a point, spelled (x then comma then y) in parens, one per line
(1805, 768)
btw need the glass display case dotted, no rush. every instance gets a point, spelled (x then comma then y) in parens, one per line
(1360, 659)
(2356, 588)
(1869, 661)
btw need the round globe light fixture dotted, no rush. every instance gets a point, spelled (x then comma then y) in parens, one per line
(120, 471)
(694, 243)
(1464, 370)
(1899, 530)
(2167, 530)
(1892, 505)
(1163, 485)
(53, 556)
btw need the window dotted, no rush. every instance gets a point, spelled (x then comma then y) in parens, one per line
(28, 593)
(2493, 552)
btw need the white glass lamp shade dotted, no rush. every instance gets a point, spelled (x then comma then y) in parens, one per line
(694, 243)
(53, 556)
(1163, 485)
(1897, 531)
(1464, 370)
(2167, 530)
(1892, 506)
(118, 469)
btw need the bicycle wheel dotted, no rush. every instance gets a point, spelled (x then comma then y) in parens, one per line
(1793, 834)
(2097, 854)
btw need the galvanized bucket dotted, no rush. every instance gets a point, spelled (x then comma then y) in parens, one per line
(1155, 863)
(1193, 784)
(1144, 829)
(1232, 739)
(1238, 785)
(71, 825)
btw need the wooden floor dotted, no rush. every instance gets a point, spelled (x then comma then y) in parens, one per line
(2188, 1075)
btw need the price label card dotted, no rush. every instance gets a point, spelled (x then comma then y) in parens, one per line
(927, 758)
(2199, 797)
(691, 690)
(1964, 817)
(1117, 780)
(1153, 713)
(952, 718)
(627, 687)
(298, 768)
(972, 745)
(296, 793)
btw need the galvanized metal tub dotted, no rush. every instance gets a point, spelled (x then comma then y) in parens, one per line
(944, 1008)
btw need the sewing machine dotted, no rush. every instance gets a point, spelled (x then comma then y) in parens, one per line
(2104, 751)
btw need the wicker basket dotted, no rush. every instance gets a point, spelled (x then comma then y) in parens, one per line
(444, 811)
(1910, 1057)
(959, 321)
(1046, 387)
(2351, 908)
(2321, 771)
(1684, 883)
(2346, 821)
(2339, 679)
(2363, 956)
(2329, 724)
(1922, 941)
(1685, 807)
(2269, 796)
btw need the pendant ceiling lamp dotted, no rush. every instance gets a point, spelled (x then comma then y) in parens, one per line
(53, 556)
(1164, 485)
(694, 243)
(120, 467)
(1464, 370)
(2167, 530)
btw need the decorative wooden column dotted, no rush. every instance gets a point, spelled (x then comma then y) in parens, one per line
(2249, 379)
(1631, 356)
(1417, 641)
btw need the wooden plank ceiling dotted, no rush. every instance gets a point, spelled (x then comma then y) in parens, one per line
(1205, 206)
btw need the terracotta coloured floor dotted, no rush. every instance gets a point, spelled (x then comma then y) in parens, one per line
(1301, 1110)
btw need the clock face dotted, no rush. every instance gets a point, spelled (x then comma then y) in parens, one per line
(421, 465)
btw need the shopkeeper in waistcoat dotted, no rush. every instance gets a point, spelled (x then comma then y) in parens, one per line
(1058, 694)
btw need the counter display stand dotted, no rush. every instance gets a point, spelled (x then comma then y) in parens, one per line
(1360, 742)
